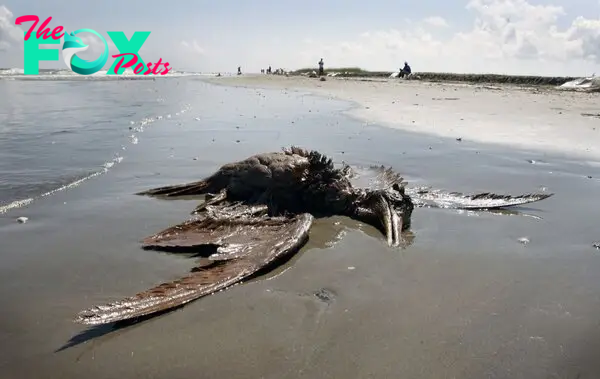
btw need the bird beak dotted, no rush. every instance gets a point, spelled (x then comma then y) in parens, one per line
(390, 220)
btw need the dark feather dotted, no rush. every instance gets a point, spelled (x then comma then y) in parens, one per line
(245, 245)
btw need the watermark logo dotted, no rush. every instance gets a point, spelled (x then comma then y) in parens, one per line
(128, 48)
(73, 45)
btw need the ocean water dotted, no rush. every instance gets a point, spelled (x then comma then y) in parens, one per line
(466, 292)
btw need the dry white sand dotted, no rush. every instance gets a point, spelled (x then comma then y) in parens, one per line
(546, 120)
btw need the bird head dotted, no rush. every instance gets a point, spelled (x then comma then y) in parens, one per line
(388, 209)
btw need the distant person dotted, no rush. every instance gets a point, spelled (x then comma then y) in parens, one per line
(269, 71)
(321, 70)
(405, 71)
(239, 70)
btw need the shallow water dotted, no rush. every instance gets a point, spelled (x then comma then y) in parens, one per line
(466, 299)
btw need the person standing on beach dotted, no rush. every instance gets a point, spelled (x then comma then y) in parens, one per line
(321, 64)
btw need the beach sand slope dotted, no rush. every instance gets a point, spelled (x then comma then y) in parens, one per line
(540, 118)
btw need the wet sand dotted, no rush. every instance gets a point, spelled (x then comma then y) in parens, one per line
(465, 300)
(527, 117)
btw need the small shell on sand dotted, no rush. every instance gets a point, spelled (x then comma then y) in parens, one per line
(22, 220)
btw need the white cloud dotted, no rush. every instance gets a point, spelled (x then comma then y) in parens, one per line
(193, 47)
(10, 34)
(436, 21)
(510, 36)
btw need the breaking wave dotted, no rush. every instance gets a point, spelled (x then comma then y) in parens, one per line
(135, 128)
(24, 202)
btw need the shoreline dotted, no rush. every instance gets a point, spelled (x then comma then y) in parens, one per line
(547, 121)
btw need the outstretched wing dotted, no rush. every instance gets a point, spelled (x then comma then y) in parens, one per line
(456, 200)
(245, 244)
(380, 177)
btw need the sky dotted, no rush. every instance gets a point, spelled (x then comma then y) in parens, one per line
(528, 37)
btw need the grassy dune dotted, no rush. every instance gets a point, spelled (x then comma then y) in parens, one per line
(355, 72)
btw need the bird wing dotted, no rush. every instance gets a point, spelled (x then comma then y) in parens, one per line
(457, 200)
(245, 244)
(380, 177)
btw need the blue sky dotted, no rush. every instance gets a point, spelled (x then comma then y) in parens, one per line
(504, 36)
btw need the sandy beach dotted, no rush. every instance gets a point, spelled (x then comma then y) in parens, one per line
(536, 117)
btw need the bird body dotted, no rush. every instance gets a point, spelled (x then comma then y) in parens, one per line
(259, 210)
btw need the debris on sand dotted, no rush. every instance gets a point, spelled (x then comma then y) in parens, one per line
(596, 115)
(589, 84)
